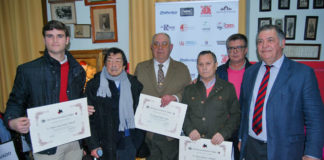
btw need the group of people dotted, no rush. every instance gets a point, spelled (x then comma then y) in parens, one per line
(270, 110)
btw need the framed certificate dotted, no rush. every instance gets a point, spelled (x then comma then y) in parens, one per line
(168, 120)
(59, 123)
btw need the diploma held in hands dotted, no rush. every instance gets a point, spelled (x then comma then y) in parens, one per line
(168, 120)
(203, 149)
(59, 123)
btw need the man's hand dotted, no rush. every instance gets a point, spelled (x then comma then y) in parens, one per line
(194, 135)
(91, 110)
(94, 152)
(239, 145)
(20, 125)
(217, 139)
(309, 158)
(166, 99)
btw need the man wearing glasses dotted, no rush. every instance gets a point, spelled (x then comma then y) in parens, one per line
(165, 78)
(233, 70)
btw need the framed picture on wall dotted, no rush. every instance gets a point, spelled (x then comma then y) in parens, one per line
(265, 5)
(104, 24)
(318, 4)
(290, 27)
(264, 21)
(283, 4)
(82, 31)
(279, 23)
(310, 27)
(64, 12)
(302, 4)
(95, 2)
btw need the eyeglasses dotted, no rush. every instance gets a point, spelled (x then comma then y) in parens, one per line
(163, 44)
(238, 48)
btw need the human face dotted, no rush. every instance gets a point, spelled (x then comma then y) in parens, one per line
(269, 46)
(206, 67)
(236, 51)
(161, 48)
(114, 64)
(56, 41)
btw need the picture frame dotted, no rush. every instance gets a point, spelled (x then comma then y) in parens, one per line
(318, 4)
(82, 31)
(61, 1)
(302, 51)
(302, 4)
(279, 23)
(104, 24)
(64, 12)
(265, 5)
(264, 21)
(96, 2)
(290, 27)
(310, 27)
(283, 4)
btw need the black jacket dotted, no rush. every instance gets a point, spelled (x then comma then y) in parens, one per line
(37, 83)
(105, 121)
(222, 69)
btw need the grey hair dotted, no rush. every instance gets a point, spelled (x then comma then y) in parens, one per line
(154, 36)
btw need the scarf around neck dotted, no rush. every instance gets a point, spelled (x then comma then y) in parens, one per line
(126, 111)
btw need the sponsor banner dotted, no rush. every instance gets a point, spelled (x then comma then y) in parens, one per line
(195, 26)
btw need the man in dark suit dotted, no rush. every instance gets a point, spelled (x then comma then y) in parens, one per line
(279, 97)
(165, 78)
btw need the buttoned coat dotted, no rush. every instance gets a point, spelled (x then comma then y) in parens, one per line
(219, 112)
(294, 102)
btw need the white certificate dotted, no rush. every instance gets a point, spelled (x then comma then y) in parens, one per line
(59, 123)
(7, 151)
(166, 120)
(203, 149)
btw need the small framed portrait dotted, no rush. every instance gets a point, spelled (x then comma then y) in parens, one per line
(278, 22)
(302, 4)
(265, 5)
(310, 27)
(82, 31)
(283, 4)
(104, 24)
(95, 2)
(264, 21)
(290, 27)
(318, 4)
(64, 12)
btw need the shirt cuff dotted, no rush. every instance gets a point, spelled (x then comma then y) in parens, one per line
(176, 97)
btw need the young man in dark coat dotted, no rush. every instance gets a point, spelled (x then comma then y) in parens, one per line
(114, 95)
(53, 78)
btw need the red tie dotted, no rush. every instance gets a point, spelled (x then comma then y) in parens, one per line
(258, 108)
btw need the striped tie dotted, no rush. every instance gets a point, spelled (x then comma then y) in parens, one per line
(259, 103)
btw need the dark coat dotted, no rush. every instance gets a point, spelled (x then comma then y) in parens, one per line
(219, 112)
(37, 83)
(105, 121)
(222, 69)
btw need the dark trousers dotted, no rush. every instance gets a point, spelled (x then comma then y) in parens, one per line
(129, 152)
(256, 149)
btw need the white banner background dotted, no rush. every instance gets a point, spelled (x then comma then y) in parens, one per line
(197, 26)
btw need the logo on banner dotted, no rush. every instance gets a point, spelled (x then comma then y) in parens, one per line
(206, 26)
(168, 12)
(221, 26)
(167, 27)
(187, 43)
(225, 9)
(205, 11)
(221, 43)
(224, 58)
(186, 11)
(206, 43)
(185, 27)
